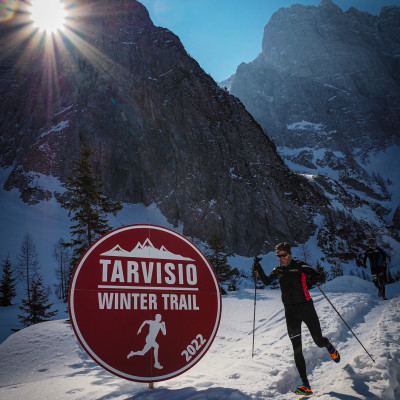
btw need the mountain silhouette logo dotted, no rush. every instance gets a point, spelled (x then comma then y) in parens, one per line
(145, 250)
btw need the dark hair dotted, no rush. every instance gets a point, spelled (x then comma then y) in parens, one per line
(371, 240)
(284, 246)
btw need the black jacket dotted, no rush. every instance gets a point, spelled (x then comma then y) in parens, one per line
(295, 280)
(377, 258)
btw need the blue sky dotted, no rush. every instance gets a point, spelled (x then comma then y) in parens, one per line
(221, 34)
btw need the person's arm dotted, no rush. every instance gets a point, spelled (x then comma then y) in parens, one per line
(163, 329)
(386, 255)
(141, 326)
(312, 276)
(266, 280)
(365, 260)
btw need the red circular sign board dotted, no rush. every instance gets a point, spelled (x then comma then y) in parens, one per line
(145, 303)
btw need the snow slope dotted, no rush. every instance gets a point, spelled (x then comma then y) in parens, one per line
(46, 222)
(45, 361)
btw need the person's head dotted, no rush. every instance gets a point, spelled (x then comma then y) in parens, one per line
(284, 253)
(371, 242)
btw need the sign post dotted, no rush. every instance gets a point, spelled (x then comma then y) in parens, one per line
(145, 303)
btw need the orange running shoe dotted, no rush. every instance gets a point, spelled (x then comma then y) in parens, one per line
(334, 354)
(304, 389)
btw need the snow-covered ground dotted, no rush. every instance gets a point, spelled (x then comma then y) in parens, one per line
(45, 361)
(46, 222)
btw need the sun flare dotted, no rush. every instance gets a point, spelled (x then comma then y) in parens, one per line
(48, 15)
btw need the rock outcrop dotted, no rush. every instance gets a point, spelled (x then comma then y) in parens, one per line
(327, 79)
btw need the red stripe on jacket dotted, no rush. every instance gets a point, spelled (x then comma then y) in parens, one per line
(304, 284)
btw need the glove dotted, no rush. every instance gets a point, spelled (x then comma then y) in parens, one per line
(311, 281)
(318, 279)
(257, 266)
(256, 269)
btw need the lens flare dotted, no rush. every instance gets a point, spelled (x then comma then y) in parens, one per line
(48, 15)
(7, 9)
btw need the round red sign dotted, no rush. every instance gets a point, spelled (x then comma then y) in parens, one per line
(145, 303)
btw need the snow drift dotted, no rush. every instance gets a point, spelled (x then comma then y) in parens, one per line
(45, 361)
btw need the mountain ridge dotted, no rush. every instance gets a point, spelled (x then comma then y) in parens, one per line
(163, 131)
(327, 82)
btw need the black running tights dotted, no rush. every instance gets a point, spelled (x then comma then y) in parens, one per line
(295, 315)
(379, 279)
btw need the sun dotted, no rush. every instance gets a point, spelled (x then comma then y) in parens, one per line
(48, 15)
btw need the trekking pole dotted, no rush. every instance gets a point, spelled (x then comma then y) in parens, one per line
(256, 260)
(254, 316)
(345, 322)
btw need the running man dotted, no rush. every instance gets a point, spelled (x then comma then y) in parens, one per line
(377, 262)
(154, 328)
(295, 278)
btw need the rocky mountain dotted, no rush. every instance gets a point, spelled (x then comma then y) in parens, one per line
(164, 132)
(326, 90)
(324, 74)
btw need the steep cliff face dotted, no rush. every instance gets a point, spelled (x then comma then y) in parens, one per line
(320, 65)
(163, 131)
(326, 88)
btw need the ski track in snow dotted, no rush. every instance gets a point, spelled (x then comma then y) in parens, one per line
(45, 361)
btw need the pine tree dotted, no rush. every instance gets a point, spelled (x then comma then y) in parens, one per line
(336, 270)
(233, 284)
(7, 283)
(320, 269)
(218, 258)
(28, 264)
(36, 308)
(63, 272)
(305, 253)
(87, 205)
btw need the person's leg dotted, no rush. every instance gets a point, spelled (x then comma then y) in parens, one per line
(314, 326)
(142, 352)
(293, 323)
(382, 282)
(312, 321)
(374, 274)
(145, 349)
(375, 280)
(156, 363)
(299, 357)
